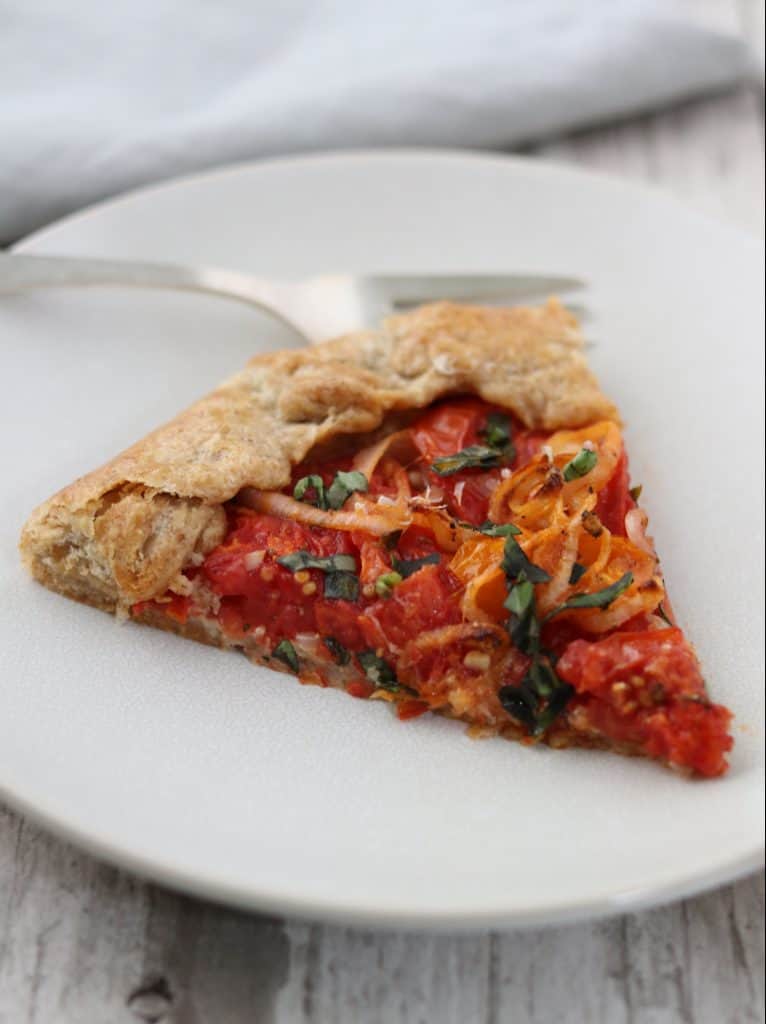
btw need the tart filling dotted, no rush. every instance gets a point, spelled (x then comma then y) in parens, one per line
(466, 565)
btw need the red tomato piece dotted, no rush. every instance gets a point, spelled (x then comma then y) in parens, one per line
(646, 689)
(361, 689)
(528, 444)
(614, 500)
(449, 426)
(407, 709)
(426, 600)
(268, 594)
(340, 621)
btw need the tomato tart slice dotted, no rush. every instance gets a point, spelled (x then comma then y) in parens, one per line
(437, 514)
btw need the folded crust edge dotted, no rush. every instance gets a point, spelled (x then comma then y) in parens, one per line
(125, 532)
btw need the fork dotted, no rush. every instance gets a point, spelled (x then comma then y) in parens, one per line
(317, 307)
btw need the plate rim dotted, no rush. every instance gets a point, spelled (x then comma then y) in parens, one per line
(153, 871)
(450, 153)
(271, 901)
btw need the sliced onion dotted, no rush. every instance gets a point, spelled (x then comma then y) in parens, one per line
(253, 560)
(366, 515)
(368, 458)
(635, 527)
(482, 633)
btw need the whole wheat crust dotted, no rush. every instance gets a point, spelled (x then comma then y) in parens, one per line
(125, 532)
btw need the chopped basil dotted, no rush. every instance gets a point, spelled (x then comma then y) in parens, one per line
(541, 696)
(521, 705)
(384, 585)
(497, 450)
(516, 562)
(475, 456)
(555, 704)
(523, 624)
(285, 652)
(581, 464)
(379, 671)
(664, 615)
(538, 700)
(598, 599)
(635, 492)
(340, 581)
(520, 597)
(336, 495)
(337, 650)
(578, 571)
(407, 566)
(298, 560)
(307, 483)
(497, 434)
(343, 486)
(490, 529)
(341, 586)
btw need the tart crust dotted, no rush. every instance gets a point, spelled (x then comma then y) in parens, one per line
(125, 532)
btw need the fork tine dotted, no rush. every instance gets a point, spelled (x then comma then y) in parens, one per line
(404, 291)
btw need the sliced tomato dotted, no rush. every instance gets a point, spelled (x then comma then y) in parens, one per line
(407, 709)
(528, 444)
(262, 592)
(646, 689)
(614, 500)
(449, 426)
(340, 620)
(443, 430)
(423, 601)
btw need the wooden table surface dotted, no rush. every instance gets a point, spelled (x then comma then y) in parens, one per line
(85, 943)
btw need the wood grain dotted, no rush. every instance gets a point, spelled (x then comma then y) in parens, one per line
(84, 943)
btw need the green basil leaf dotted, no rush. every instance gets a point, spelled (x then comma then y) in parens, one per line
(539, 699)
(515, 562)
(520, 704)
(337, 650)
(664, 615)
(635, 492)
(307, 483)
(475, 456)
(581, 464)
(520, 598)
(343, 486)
(553, 708)
(392, 539)
(341, 586)
(525, 631)
(285, 652)
(578, 571)
(384, 585)
(542, 678)
(298, 560)
(490, 529)
(407, 566)
(497, 434)
(379, 671)
(598, 599)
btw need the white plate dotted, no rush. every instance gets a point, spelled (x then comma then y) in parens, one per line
(193, 767)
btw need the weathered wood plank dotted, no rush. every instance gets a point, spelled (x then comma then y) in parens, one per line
(84, 942)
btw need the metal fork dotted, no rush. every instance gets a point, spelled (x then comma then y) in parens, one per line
(317, 307)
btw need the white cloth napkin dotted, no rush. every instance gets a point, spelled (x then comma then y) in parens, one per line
(98, 97)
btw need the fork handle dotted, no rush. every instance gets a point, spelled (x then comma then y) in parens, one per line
(21, 272)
